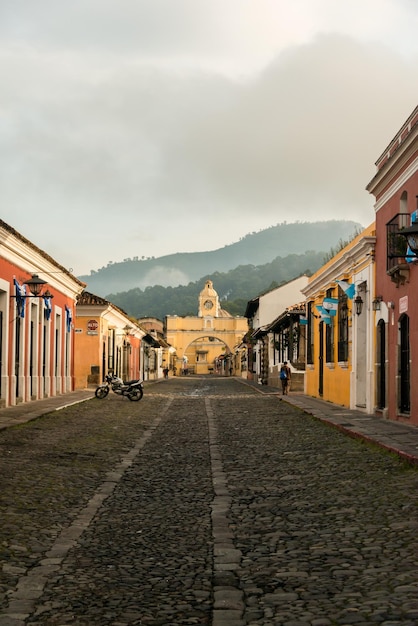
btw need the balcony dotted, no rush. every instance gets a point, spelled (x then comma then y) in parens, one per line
(396, 266)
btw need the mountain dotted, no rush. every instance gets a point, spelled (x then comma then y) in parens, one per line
(256, 248)
(235, 288)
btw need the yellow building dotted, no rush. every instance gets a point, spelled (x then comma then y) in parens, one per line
(205, 343)
(340, 326)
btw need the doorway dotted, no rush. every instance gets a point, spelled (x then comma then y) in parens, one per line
(381, 365)
(404, 367)
(321, 360)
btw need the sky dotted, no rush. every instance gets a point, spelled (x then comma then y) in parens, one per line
(139, 128)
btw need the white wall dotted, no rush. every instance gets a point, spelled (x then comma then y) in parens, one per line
(273, 303)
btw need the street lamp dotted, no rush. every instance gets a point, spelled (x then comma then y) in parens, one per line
(358, 303)
(35, 285)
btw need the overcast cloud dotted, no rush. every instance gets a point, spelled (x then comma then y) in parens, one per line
(142, 128)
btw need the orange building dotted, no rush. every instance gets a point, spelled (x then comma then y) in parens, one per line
(107, 340)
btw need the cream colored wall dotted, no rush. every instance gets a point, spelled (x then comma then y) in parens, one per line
(274, 302)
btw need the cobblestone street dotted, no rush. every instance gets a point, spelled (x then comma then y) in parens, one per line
(205, 503)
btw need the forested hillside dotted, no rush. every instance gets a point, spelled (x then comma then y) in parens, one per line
(235, 288)
(254, 249)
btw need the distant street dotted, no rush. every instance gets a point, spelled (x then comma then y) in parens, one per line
(205, 503)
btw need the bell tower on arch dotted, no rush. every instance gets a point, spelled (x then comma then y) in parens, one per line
(208, 301)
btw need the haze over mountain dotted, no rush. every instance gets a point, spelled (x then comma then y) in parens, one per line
(256, 248)
(235, 288)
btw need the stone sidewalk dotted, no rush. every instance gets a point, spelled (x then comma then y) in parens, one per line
(22, 413)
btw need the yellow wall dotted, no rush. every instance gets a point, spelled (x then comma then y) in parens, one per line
(181, 332)
(336, 376)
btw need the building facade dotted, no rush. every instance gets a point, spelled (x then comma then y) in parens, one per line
(155, 351)
(340, 326)
(205, 343)
(267, 347)
(395, 187)
(107, 340)
(286, 342)
(37, 310)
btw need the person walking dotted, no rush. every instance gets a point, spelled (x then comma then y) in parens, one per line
(285, 376)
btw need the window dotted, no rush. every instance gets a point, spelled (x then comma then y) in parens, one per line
(329, 336)
(201, 356)
(396, 244)
(111, 350)
(342, 326)
(310, 333)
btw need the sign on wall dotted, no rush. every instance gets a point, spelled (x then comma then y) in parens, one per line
(92, 327)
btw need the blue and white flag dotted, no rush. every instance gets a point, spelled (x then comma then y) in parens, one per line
(325, 316)
(411, 257)
(348, 288)
(69, 318)
(302, 320)
(47, 307)
(20, 298)
(330, 305)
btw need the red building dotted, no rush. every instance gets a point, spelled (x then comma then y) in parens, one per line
(37, 308)
(395, 187)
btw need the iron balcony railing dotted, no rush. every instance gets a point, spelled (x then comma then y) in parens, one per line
(396, 244)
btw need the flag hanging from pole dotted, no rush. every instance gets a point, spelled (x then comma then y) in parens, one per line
(20, 298)
(302, 319)
(330, 305)
(348, 288)
(325, 316)
(48, 307)
(68, 317)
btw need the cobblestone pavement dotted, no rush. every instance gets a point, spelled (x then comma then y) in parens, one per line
(204, 503)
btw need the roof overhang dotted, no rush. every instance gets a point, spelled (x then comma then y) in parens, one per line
(252, 306)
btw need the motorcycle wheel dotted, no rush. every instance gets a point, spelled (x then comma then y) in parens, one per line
(101, 392)
(136, 394)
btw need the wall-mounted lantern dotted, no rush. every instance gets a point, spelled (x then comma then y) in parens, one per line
(358, 303)
(377, 302)
(35, 285)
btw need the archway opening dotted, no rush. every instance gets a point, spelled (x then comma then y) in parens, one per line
(204, 356)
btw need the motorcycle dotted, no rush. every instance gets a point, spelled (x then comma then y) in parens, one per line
(132, 389)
